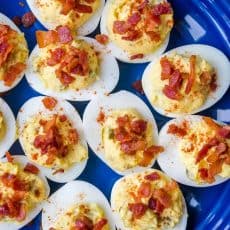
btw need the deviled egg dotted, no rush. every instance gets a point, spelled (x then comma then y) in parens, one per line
(23, 192)
(83, 15)
(71, 68)
(138, 30)
(186, 80)
(197, 151)
(51, 134)
(148, 200)
(77, 205)
(13, 54)
(122, 132)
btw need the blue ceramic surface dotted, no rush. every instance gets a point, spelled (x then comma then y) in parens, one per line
(196, 21)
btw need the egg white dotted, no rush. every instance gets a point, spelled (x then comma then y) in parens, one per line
(118, 52)
(120, 100)
(170, 161)
(70, 194)
(119, 223)
(108, 76)
(10, 124)
(214, 56)
(34, 106)
(22, 160)
(6, 21)
(87, 28)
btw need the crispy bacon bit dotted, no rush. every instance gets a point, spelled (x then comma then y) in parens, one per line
(192, 73)
(64, 78)
(56, 56)
(153, 176)
(67, 6)
(9, 157)
(28, 19)
(81, 8)
(13, 72)
(58, 171)
(138, 210)
(213, 84)
(17, 20)
(177, 130)
(171, 93)
(155, 205)
(101, 117)
(150, 153)
(120, 27)
(62, 118)
(134, 19)
(100, 224)
(64, 34)
(175, 80)
(45, 38)
(31, 169)
(138, 126)
(136, 56)
(137, 85)
(224, 132)
(162, 8)
(102, 39)
(5, 50)
(83, 222)
(221, 148)
(154, 36)
(163, 197)
(144, 190)
(73, 136)
(132, 35)
(49, 102)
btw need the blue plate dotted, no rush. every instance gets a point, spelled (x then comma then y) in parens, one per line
(196, 21)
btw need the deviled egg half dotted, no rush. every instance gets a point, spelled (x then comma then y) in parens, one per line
(23, 192)
(83, 15)
(51, 135)
(122, 132)
(7, 128)
(138, 30)
(197, 150)
(72, 68)
(13, 54)
(77, 205)
(186, 80)
(148, 200)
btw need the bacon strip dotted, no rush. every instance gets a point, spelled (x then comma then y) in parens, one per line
(192, 76)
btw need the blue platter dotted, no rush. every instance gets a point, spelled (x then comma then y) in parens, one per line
(196, 21)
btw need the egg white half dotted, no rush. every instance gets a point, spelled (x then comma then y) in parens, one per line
(22, 160)
(119, 223)
(118, 52)
(70, 194)
(87, 28)
(108, 76)
(6, 21)
(120, 100)
(10, 125)
(214, 56)
(35, 106)
(170, 161)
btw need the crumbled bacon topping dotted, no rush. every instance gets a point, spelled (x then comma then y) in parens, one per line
(31, 169)
(101, 117)
(152, 176)
(137, 85)
(102, 39)
(49, 102)
(100, 224)
(28, 19)
(178, 130)
(136, 56)
(9, 157)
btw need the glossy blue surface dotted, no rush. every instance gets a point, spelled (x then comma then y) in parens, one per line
(196, 21)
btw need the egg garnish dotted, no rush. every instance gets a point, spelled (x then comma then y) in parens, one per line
(13, 54)
(71, 68)
(51, 134)
(83, 15)
(186, 80)
(196, 150)
(123, 135)
(137, 30)
(7, 127)
(77, 205)
(148, 200)
(23, 191)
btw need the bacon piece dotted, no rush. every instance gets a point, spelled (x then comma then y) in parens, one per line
(221, 148)
(166, 68)
(224, 132)
(175, 80)
(215, 168)
(162, 8)
(58, 171)
(62, 118)
(83, 223)
(28, 19)
(22, 213)
(136, 56)
(81, 8)
(64, 34)
(155, 205)
(134, 19)
(9, 157)
(177, 130)
(163, 197)
(31, 169)
(137, 209)
(64, 77)
(120, 27)
(132, 35)
(49, 102)
(17, 20)
(144, 190)
(137, 85)
(100, 224)
(13, 72)
(5, 50)
(154, 36)
(56, 56)
(4, 210)
(67, 6)
(8, 179)
(213, 84)
(45, 38)
(127, 147)
(73, 136)
(143, 5)
(211, 123)
(102, 39)
(152, 176)
(122, 121)
(122, 135)
(4, 29)
(191, 79)
(171, 93)
(101, 117)
(138, 126)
